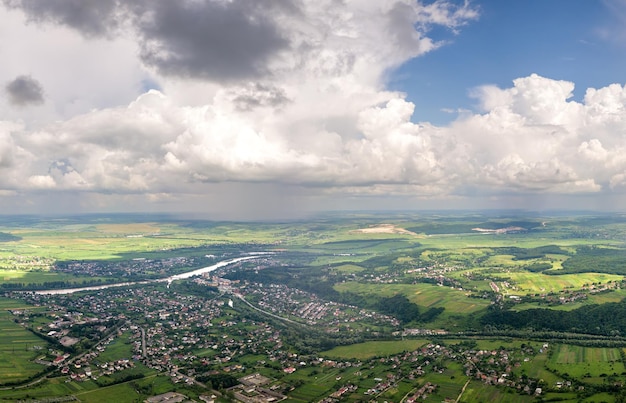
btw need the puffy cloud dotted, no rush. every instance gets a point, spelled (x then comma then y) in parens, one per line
(24, 90)
(153, 146)
(15, 160)
(299, 104)
(532, 136)
(242, 40)
(41, 182)
(91, 17)
(593, 150)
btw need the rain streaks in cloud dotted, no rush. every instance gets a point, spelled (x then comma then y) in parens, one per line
(287, 97)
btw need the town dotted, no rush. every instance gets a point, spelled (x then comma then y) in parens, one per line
(194, 332)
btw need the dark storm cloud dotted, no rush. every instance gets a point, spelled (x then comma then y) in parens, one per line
(209, 39)
(24, 90)
(90, 17)
(205, 39)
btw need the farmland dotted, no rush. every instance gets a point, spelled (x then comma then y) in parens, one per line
(393, 307)
(18, 347)
(587, 361)
(374, 349)
(426, 295)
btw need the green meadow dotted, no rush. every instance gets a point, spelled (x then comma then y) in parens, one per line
(18, 347)
(370, 349)
(425, 295)
(449, 383)
(530, 283)
(477, 392)
(136, 390)
(586, 362)
(41, 276)
(120, 348)
(369, 255)
(536, 368)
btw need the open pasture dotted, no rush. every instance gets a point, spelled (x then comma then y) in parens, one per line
(349, 268)
(370, 349)
(600, 298)
(456, 254)
(40, 277)
(398, 391)
(536, 368)
(308, 392)
(425, 295)
(579, 361)
(112, 239)
(478, 392)
(93, 245)
(357, 250)
(87, 245)
(136, 390)
(449, 383)
(316, 384)
(119, 348)
(530, 283)
(501, 261)
(599, 397)
(510, 261)
(487, 241)
(122, 237)
(18, 347)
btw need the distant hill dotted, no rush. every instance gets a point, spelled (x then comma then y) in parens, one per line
(4, 237)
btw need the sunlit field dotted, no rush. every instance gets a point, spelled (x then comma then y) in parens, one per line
(526, 282)
(426, 295)
(18, 347)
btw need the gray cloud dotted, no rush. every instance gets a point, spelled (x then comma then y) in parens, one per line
(298, 100)
(90, 17)
(259, 95)
(208, 39)
(204, 39)
(25, 90)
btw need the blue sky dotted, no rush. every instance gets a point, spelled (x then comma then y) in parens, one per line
(579, 41)
(237, 110)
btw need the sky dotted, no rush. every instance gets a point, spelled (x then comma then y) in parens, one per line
(247, 109)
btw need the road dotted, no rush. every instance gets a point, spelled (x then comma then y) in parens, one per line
(462, 390)
(266, 312)
(143, 342)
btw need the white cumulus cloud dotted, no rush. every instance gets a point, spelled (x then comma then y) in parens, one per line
(308, 111)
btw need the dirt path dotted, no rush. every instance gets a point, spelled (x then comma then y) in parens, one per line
(462, 390)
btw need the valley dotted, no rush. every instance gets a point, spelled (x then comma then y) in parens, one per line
(357, 307)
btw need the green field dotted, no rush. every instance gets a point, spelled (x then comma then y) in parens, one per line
(346, 271)
(536, 368)
(586, 362)
(316, 384)
(18, 347)
(370, 349)
(349, 268)
(600, 298)
(526, 282)
(425, 295)
(120, 348)
(477, 392)
(449, 383)
(41, 276)
(132, 391)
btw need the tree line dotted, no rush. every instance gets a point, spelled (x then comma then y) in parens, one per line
(607, 319)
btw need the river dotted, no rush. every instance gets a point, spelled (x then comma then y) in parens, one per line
(159, 280)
